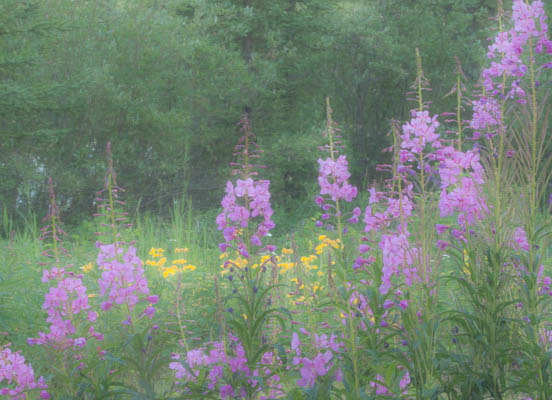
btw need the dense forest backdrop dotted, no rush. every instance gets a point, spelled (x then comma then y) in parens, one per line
(166, 81)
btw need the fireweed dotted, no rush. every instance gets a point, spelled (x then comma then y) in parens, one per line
(245, 358)
(335, 190)
(18, 376)
(407, 265)
(387, 338)
(122, 278)
(123, 285)
(500, 264)
(69, 315)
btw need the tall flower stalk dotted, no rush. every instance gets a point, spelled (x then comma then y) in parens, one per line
(246, 221)
(123, 279)
(334, 191)
(68, 313)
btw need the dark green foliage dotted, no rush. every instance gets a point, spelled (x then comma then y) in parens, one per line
(167, 80)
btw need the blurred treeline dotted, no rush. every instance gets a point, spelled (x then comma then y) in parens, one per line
(166, 81)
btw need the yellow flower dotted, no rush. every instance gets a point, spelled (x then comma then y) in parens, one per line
(87, 267)
(286, 265)
(170, 271)
(189, 268)
(180, 261)
(322, 238)
(156, 252)
(151, 262)
(320, 248)
(287, 251)
(162, 262)
(92, 295)
(244, 316)
(320, 273)
(223, 256)
(181, 250)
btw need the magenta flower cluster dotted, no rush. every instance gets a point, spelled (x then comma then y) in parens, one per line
(63, 303)
(529, 22)
(333, 179)
(123, 278)
(333, 176)
(248, 201)
(223, 363)
(461, 176)
(310, 368)
(18, 376)
(66, 302)
(381, 388)
(237, 215)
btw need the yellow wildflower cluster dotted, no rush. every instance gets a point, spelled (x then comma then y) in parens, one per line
(304, 293)
(87, 267)
(325, 242)
(237, 261)
(307, 262)
(176, 265)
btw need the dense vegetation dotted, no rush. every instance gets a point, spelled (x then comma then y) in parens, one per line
(259, 252)
(167, 81)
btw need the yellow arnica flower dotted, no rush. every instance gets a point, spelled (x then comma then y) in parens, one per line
(161, 262)
(306, 260)
(287, 251)
(223, 256)
(181, 250)
(170, 271)
(153, 263)
(322, 237)
(87, 267)
(179, 261)
(156, 252)
(318, 249)
(189, 268)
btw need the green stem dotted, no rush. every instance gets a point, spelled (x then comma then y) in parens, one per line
(352, 336)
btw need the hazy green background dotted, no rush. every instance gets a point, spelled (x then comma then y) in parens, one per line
(167, 80)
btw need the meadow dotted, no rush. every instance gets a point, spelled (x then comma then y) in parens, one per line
(435, 284)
